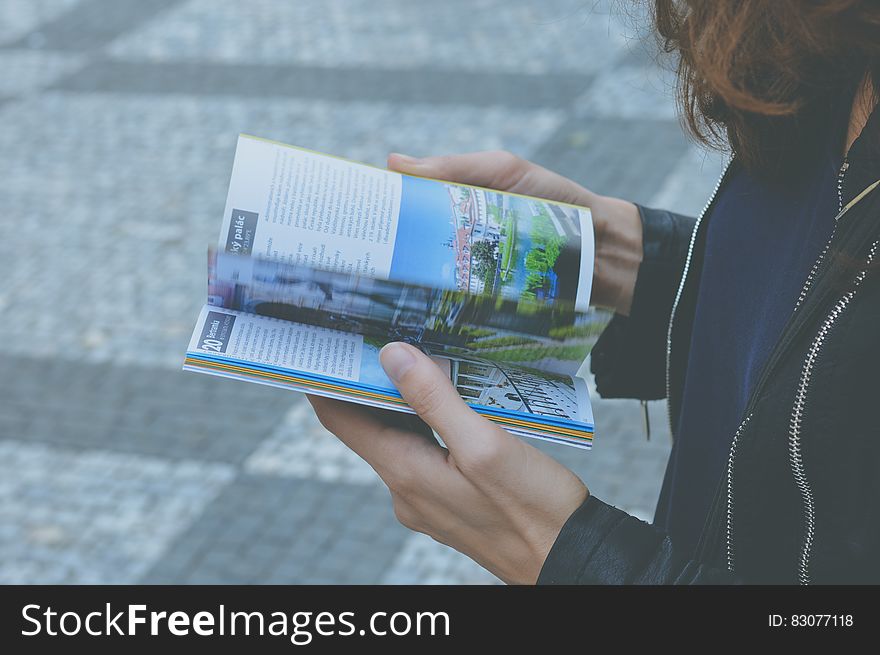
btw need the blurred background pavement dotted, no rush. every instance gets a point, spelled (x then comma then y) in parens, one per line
(118, 123)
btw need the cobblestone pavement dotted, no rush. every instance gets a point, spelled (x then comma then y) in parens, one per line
(118, 121)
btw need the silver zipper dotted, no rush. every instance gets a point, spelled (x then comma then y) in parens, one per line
(841, 175)
(795, 453)
(729, 484)
(734, 445)
(687, 266)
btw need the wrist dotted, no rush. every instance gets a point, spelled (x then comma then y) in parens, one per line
(619, 252)
(543, 543)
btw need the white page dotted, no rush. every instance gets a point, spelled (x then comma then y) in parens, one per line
(263, 340)
(305, 208)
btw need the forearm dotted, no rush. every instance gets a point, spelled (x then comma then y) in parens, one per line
(619, 250)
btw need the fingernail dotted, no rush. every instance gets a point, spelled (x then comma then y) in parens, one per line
(406, 158)
(396, 359)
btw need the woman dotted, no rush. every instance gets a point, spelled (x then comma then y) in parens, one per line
(759, 323)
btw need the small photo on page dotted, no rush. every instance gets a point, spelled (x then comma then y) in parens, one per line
(484, 242)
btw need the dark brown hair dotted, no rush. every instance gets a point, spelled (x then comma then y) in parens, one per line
(765, 77)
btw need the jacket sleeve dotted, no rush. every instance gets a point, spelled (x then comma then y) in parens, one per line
(600, 544)
(629, 359)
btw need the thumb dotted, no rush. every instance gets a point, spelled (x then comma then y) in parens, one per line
(494, 169)
(427, 388)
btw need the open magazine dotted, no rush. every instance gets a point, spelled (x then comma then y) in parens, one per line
(322, 261)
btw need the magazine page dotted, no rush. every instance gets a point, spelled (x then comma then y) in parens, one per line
(548, 336)
(344, 365)
(310, 209)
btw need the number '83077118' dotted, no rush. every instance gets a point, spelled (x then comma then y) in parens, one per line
(810, 621)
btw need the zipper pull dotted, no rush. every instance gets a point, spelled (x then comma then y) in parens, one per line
(647, 420)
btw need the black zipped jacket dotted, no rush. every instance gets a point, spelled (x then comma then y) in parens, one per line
(800, 499)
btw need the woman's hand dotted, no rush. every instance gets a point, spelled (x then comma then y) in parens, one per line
(616, 223)
(487, 494)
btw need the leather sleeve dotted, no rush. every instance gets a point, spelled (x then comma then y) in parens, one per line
(600, 544)
(629, 359)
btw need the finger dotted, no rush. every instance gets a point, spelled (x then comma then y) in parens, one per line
(495, 169)
(428, 390)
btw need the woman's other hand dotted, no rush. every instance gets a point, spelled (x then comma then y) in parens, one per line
(616, 223)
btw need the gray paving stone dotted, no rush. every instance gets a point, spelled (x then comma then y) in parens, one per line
(643, 48)
(626, 158)
(643, 93)
(94, 516)
(487, 35)
(425, 561)
(25, 71)
(300, 447)
(157, 412)
(90, 24)
(18, 17)
(315, 548)
(435, 87)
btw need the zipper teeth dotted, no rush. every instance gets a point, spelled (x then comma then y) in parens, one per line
(687, 265)
(731, 458)
(841, 178)
(796, 458)
(841, 175)
(813, 271)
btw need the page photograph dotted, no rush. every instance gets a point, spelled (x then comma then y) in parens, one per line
(552, 337)
(485, 242)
